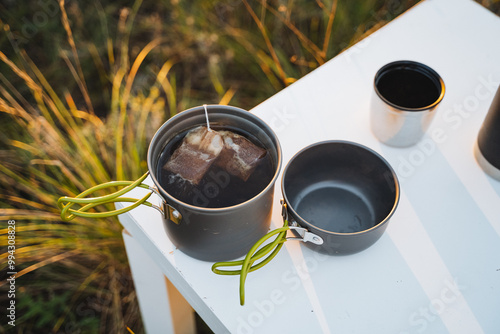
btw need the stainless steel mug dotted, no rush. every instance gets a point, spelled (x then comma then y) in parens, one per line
(488, 140)
(406, 94)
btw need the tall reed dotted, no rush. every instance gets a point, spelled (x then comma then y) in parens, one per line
(58, 146)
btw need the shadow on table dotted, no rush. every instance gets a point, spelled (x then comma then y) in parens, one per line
(495, 185)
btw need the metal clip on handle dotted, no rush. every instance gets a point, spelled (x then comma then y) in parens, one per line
(171, 213)
(304, 234)
(65, 203)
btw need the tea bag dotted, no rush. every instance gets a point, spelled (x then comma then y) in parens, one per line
(197, 152)
(239, 157)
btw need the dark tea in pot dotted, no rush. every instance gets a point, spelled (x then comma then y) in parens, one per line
(214, 168)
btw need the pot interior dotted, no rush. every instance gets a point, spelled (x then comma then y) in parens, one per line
(340, 187)
(226, 117)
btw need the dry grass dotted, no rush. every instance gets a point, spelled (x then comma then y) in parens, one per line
(61, 149)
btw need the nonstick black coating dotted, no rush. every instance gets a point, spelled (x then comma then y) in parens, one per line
(342, 191)
(335, 206)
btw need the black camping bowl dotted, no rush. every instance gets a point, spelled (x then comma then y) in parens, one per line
(216, 234)
(342, 192)
(338, 197)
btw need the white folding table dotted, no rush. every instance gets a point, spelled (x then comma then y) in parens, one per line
(437, 267)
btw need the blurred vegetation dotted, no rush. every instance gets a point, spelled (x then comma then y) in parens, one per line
(84, 86)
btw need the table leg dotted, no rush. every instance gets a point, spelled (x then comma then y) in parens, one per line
(163, 308)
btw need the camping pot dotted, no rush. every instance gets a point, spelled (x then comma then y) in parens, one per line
(338, 197)
(341, 192)
(210, 234)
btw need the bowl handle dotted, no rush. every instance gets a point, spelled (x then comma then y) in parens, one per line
(253, 255)
(65, 203)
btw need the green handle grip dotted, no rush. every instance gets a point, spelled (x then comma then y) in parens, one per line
(65, 203)
(253, 255)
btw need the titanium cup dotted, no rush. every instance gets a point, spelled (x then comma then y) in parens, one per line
(406, 94)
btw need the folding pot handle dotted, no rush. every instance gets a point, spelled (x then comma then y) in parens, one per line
(66, 204)
(254, 254)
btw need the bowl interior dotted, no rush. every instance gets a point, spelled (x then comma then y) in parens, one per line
(340, 187)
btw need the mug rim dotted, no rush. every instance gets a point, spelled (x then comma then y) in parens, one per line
(416, 66)
(327, 232)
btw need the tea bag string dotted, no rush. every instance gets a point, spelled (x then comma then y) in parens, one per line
(252, 256)
(206, 116)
